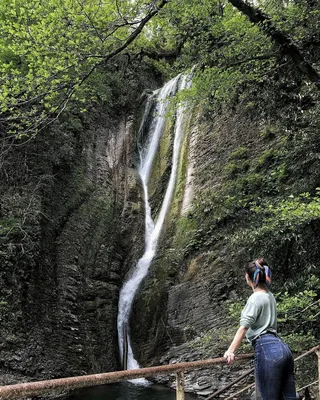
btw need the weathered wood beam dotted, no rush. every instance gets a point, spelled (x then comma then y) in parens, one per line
(215, 394)
(21, 390)
(307, 353)
(180, 385)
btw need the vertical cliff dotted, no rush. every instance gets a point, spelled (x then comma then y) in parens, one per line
(233, 166)
(71, 218)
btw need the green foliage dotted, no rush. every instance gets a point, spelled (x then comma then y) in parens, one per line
(298, 314)
(288, 215)
(50, 50)
(266, 159)
(240, 153)
(220, 337)
(235, 168)
(269, 132)
(279, 224)
(234, 310)
(8, 226)
(52, 53)
(18, 213)
(229, 47)
(230, 52)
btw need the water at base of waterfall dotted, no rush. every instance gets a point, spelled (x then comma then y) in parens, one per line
(127, 391)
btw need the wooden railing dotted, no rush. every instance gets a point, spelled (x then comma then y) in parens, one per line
(21, 390)
(29, 389)
(315, 349)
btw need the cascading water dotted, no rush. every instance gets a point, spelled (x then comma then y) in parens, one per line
(152, 230)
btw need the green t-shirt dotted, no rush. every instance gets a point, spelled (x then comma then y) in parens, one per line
(259, 315)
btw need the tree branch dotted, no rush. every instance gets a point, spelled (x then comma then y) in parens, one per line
(136, 32)
(262, 57)
(287, 45)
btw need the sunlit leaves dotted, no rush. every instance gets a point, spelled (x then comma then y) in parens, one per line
(284, 220)
(289, 214)
(227, 49)
(48, 49)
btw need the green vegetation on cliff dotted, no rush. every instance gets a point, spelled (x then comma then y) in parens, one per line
(256, 182)
(80, 67)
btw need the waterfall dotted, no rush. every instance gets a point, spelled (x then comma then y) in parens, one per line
(152, 230)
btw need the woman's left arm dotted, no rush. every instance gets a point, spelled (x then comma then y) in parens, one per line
(238, 337)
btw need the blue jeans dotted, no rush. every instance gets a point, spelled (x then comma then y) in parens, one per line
(274, 369)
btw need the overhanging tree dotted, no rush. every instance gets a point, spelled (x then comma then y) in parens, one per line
(287, 45)
(49, 50)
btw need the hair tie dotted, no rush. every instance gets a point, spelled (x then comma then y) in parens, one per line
(256, 275)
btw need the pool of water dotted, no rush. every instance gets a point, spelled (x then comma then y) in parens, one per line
(127, 391)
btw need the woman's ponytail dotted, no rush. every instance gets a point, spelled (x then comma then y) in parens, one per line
(259, 272)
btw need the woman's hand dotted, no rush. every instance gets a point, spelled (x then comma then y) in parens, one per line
(229, 356)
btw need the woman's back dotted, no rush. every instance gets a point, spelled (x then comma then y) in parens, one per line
(259, 314)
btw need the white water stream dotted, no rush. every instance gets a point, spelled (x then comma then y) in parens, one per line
(152, 230)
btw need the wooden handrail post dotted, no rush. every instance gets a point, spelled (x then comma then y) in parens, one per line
(180, 385)
(318, 354)
(125, 347)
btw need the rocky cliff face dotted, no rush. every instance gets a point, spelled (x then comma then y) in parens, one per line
(182, 312)
(76, 191)
(60, 296)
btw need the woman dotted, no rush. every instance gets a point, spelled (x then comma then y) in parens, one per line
(274, 365)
